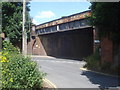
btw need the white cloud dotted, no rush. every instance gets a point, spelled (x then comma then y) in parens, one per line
(68, 0)
(45, 14)
(35, 22)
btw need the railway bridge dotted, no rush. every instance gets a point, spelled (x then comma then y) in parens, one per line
(67, 37)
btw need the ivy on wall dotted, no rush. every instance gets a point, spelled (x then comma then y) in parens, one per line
(105, 16)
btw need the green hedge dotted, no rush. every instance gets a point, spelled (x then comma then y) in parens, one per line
(19, 71)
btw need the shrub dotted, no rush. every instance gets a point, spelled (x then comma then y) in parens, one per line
(110, 68)
(19, 71)
(93, 61)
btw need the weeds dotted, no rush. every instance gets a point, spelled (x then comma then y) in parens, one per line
(19, 71)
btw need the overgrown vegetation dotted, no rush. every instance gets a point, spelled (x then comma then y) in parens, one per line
(94, 63)
(18, 71)
(105, 16)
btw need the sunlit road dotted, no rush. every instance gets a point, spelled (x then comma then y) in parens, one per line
(65, 73)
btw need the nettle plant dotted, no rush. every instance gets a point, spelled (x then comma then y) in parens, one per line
(19, 71)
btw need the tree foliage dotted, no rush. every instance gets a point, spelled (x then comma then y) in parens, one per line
(12, 20)
(106, 16)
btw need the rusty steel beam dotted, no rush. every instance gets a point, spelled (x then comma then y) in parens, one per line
(64, 30)
(65, 19)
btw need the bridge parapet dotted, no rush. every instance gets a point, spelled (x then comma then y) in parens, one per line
(76, 21)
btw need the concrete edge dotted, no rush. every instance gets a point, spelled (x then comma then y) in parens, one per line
(41, 56)
(50, 83)
(85, 69)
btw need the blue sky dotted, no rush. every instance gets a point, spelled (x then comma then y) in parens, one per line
(42, 12)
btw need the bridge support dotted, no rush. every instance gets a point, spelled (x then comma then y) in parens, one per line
(74, 44)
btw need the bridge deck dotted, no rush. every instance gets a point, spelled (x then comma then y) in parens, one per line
(76, 21)
(87, 26)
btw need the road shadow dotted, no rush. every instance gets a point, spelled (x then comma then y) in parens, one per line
(103, 81)
(70, 58)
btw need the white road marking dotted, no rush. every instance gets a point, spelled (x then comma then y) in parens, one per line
(76, 62)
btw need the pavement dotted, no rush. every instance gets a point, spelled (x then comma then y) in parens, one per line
(66, 73)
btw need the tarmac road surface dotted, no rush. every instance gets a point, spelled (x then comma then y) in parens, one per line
(66, 73)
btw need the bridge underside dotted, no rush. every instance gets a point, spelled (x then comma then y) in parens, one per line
(73, 44)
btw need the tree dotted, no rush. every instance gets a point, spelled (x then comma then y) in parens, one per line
(12, 20)
(105, 15)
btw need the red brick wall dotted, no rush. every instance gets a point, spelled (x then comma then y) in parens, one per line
(35, 47)
(95, 37)
(29, 47)
(106, 50)
(38, 48)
